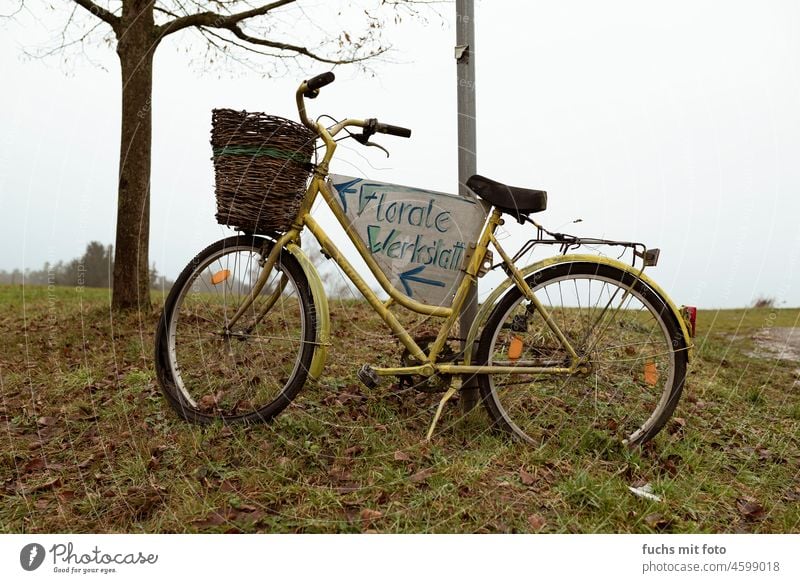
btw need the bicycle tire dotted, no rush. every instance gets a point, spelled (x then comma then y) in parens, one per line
(235, 376)
(550, 406)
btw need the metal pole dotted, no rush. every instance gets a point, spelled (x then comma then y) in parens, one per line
(467, 159)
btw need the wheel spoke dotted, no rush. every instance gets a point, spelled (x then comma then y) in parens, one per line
(629, 367)
(235, 375)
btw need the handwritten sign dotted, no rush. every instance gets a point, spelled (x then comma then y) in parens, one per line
(419, 238)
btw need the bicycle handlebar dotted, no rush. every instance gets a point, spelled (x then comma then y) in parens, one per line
(310, 89)
(385, 128)
(320, 81)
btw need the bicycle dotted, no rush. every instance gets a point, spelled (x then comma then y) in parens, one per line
(575, 336)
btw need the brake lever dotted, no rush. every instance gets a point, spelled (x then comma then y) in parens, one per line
(364, 141)
(374, 145)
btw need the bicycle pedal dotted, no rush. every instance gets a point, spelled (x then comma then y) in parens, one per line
(368, 376)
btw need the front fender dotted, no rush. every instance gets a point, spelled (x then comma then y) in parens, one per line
(488, 305)
(323, 338)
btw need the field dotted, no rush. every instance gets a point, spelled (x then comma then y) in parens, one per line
(90, 445)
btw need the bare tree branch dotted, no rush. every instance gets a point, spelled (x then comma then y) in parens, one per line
(298, 49)
(215, 20)
(15, 12)
(100, 12)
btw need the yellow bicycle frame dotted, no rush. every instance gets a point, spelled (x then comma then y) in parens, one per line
(428, 364)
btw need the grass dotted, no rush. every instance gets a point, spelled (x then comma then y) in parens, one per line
(90, 445)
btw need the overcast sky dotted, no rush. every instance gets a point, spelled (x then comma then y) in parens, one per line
(677, 124)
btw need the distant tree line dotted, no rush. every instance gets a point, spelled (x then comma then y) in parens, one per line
(94, 268)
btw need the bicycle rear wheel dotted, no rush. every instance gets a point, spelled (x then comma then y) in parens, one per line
(632, 346)
(251, 370)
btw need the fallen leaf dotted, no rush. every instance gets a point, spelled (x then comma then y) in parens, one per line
(750, 509)
(422, 475)
(657, 522)
(86, 463)
(216, 518)
(401, 456)
(26, 490)
(677, 424)
(65, 496)
(368, 515)
(46, 421)
(340, 474)
(207, 403)
(527, 478)
(354, 450)
(670, 464)
(536, 522)
(34, 465)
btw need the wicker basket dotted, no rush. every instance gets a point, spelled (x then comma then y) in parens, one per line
(261, 164)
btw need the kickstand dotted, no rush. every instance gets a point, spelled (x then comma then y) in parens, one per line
(454, 388)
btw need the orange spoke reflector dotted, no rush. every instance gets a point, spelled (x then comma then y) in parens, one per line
(515, 348)
(220, 276)
(650, 373)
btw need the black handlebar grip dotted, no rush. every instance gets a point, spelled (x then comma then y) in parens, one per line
(320, 81)
(385, 128)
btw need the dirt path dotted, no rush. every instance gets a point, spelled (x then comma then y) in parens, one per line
(780, 343)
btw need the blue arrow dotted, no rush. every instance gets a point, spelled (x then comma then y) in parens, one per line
(411, 275)
(345, 188)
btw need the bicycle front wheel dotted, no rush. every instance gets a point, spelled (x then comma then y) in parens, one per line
(249, 370)
(631, 346)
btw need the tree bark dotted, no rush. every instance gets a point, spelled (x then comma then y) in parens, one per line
(136, 43)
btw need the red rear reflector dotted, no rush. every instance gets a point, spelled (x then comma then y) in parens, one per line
(690, 317)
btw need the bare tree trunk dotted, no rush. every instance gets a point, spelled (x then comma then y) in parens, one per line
(136, 44)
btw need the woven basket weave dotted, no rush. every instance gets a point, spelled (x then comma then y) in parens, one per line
(261, 165)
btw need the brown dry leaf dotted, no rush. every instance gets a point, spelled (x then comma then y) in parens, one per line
(401, 456)
(65, 496)
(527, 478)
(34, 465)
(216, 518)
(368, 515)
(536, 522)
(340, 474)
(750, 509)
(52, 483)
(354, 450)
(657, 521)
(207, 403)
(86, 463)
(676, 424)
(422, 475)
